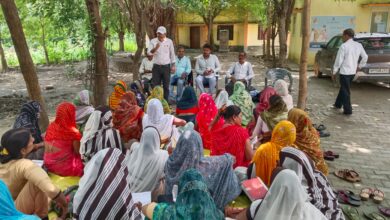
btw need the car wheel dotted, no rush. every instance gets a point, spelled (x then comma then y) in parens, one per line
(317, 71)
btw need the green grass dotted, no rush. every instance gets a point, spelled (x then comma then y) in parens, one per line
(64, 52)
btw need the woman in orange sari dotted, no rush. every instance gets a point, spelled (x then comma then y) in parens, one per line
(127, 118)
(308, 139)
(267, 155)
(207, 112)
(120, 89)
(62, 143)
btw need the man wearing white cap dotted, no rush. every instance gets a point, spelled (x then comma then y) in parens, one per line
(164, 59)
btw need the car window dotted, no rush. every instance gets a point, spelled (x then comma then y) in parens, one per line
(375, 43)
(333, 42)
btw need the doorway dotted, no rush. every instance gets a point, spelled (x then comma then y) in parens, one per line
(195, 37)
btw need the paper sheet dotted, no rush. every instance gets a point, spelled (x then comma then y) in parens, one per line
(143, 197)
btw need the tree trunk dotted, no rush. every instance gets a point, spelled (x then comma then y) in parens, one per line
(43, 39)
(140, 38)
(121, 36)
(4, 65)
(24, 57)
(302, 96)
(101, 65)
(282, 41)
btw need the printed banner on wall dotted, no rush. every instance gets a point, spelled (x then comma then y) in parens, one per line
(323, 28)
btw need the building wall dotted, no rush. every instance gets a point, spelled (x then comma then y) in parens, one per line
(253, 34)
(331, 8)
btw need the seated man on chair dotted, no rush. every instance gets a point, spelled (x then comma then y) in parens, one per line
(146, 66)
(239, 71)
(183, 68)
(206, 67)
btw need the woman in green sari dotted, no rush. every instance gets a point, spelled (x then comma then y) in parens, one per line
(158, 93)
(243, 99)
(193, 201)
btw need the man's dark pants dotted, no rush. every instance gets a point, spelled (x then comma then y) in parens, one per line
(344, 97)
(162, 73)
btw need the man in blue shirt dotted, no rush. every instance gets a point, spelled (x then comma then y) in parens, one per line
(183, 68)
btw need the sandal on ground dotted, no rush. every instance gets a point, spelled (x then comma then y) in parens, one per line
(344, 198)
(375, 216)
(385, 211)
(378, 196)
(324, 134)
(351, 213)
(331, 153)
(328, 157)
(366, 193)
(348, 175)
(350, 194)
(319, 127)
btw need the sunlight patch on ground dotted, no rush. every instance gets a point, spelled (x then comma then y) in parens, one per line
(354, 147)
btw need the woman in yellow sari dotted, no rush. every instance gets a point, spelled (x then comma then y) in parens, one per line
(308, 139)
(267, 155)
(158, 93)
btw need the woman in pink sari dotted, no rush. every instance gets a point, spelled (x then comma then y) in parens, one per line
(207, 112)
(62, 143)
(261, 106)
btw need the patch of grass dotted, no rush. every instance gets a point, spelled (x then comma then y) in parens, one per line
(64, 51)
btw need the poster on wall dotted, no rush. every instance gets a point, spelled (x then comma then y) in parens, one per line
(323, 28)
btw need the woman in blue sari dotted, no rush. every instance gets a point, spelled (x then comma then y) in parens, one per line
(8, 209)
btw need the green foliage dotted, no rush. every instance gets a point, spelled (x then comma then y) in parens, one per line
(205, 8)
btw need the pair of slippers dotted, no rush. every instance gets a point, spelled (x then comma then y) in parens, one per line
(330, 155)
(376, 195)
(321, 130)
(348, 175)
(353, 214)
(349, 198)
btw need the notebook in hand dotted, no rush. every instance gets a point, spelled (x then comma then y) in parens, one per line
(254, 188)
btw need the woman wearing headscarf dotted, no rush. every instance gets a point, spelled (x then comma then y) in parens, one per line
(261, 106)
(120, 89)
(243, 99)
(29, 184)
(281, 89)
(146, 164)
(207, 112)
(84, 108)
(187, 106)
(104, 190)
(8, 209)
(286, 200)
(222, 99)
(267, 120)
(267, 155)
(99, 134)
(127, 118)
(308, 139)
(29, 118)
(318, 187)
(217, 171)
(164, 123)
(232, 138)
(193, 201)
(158, 93)
(62, 143)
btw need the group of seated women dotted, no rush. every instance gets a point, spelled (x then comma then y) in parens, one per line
(187, 161)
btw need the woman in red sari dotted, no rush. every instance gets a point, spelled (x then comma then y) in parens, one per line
(207, 112)
(62, 143)
(231, 137)
(127, 118)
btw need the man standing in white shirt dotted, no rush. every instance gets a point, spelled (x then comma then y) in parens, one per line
(241, 71)
(164, 59)
(347, 64)
(206, 67)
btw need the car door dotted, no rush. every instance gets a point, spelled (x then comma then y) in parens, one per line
(328, 54)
